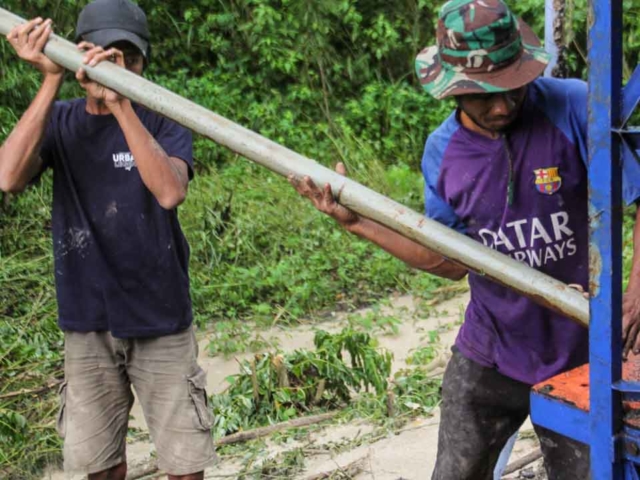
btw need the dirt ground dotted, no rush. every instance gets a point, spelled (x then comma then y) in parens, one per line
(408, 455)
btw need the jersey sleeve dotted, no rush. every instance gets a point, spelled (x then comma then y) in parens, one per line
(436, 208)
(568, 110)
(48, 145)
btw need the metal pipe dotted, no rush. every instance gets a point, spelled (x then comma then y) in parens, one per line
(517, 276)
(550, 14)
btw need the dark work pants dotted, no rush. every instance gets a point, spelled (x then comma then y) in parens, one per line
(480, 410)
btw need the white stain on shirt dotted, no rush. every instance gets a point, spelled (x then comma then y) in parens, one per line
(75, 240)
(112, 209)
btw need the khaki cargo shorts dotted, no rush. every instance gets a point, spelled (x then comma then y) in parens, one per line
(96, 398)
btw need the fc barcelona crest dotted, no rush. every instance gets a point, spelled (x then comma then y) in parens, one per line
(548, 181)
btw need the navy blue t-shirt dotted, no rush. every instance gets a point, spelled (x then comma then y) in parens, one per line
(121, 260)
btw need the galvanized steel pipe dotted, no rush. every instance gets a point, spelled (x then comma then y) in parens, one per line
(542, 288)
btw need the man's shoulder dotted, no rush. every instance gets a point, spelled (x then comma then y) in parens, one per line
(560, 84)
(564, 103)
(437, 145)
(560, 94)
(68, 106)
(439, 139)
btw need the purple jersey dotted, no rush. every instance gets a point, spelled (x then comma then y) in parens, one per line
(544, 224)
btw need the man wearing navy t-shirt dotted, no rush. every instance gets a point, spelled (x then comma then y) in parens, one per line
(121, 260)
(508, 169)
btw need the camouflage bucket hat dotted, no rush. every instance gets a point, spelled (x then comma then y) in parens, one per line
(482, 48)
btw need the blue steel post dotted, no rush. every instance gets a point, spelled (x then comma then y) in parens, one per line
(605, 258)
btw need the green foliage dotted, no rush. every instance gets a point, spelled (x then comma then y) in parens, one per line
(307, 74)
(30, 340)
(258, 250)
(576, 32)
(229, 337)
(277, 387)
(416, 392)
(375, 322)
(423, 355)
(629, 221)
(286, 465)
(332, 79)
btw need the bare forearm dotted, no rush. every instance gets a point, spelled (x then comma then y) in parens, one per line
(158, 172)
(410, 252)
(19, 155)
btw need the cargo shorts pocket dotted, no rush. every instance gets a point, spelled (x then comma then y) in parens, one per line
(198, 394)
(61, 424)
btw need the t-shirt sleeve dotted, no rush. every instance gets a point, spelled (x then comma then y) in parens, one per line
(48, 145)
(436, 208)
(176, 141)
(575, 124)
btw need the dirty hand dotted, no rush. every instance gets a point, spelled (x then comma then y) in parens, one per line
(93, 56)
(29, 39)
(323, 199)
(631, 323)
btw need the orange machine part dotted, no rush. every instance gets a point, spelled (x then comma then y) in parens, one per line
(572, 387)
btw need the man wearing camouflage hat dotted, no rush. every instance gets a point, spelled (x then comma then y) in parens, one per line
(508, 169)
(121, 260)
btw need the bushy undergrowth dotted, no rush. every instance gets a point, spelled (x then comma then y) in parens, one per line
(276, 387)
(30, 341)
(332, 79)
(259, 249)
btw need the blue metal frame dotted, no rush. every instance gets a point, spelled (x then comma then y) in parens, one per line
(615, 449)
(560, 417)
(605, 250)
